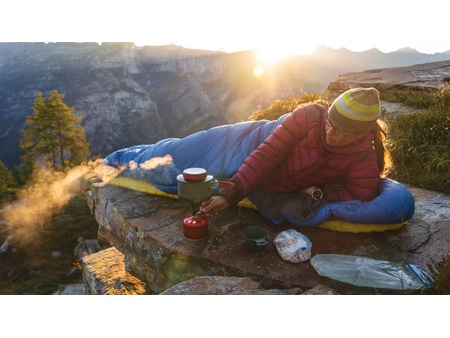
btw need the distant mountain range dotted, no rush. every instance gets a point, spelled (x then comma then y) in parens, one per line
(132, 95)
(339, 61)
(374, 58)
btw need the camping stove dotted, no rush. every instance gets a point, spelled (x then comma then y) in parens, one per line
(194, 187)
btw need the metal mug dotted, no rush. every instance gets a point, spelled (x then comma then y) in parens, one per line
(255, 237)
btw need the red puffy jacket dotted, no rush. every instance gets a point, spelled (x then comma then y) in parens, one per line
(296, 156)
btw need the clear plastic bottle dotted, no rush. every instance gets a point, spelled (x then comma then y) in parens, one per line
(364, 271)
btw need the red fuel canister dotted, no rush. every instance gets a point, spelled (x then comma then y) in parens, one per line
(195, 228)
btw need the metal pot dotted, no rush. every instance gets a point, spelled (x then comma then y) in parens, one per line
(196, 186)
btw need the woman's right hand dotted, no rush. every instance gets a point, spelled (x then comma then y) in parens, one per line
(214, 206)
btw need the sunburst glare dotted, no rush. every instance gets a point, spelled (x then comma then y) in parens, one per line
(270, 55)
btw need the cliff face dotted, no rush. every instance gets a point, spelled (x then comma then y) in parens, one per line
(132, 96)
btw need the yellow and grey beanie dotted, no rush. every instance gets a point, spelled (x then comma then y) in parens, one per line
(356, 110)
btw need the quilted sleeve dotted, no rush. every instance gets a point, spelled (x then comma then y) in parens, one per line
(364, 179)
(362, 183)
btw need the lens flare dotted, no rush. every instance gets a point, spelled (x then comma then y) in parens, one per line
(258, 70)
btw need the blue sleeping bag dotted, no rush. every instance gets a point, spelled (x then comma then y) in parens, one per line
(221, 151)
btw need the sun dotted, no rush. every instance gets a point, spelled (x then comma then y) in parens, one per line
(266, 58)
(270, 56)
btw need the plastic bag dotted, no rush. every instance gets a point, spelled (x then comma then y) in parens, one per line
(364, 271)
(293, 246)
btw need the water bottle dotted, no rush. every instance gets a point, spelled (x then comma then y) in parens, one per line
(364, 271)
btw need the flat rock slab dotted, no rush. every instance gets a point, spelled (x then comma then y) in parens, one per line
(148, 230)
(431, 75)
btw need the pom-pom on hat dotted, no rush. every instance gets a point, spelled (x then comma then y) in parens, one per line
(356, 110)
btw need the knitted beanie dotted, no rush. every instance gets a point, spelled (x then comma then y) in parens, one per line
(356, 110)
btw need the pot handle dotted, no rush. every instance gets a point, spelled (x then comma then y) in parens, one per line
(225, 184)
(261, 242)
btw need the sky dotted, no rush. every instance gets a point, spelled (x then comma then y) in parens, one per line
(274, 28)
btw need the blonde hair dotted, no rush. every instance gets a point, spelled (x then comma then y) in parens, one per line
(381, 144)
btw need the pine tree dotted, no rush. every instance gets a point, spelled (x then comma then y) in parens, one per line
(54, 136)
(7, 182)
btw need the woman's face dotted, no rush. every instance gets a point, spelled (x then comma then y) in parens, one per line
(337, 137)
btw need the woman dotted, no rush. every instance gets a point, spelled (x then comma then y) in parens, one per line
(334, 153)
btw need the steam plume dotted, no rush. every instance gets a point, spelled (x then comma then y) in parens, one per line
(45, 196)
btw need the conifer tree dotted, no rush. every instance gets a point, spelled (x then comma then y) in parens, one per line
(54, 136)
(7, 182)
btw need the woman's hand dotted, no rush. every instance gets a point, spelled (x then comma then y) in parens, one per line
(214, 206)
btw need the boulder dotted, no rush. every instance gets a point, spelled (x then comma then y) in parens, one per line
(104, 274)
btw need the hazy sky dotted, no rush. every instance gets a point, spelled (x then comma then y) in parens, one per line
(277, 27)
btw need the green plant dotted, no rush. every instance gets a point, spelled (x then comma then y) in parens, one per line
(414, 97)
(441, 284)
(281, 107)
(7, 183)
(54, 137)
(441, 99)
(420, 146)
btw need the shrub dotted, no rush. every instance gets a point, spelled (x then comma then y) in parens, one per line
(420, 150)
(281, 107)
(413, 97)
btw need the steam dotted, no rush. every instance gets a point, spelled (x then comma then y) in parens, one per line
(50, 191)
(156, 162)
(44, 197)
(157, 170)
